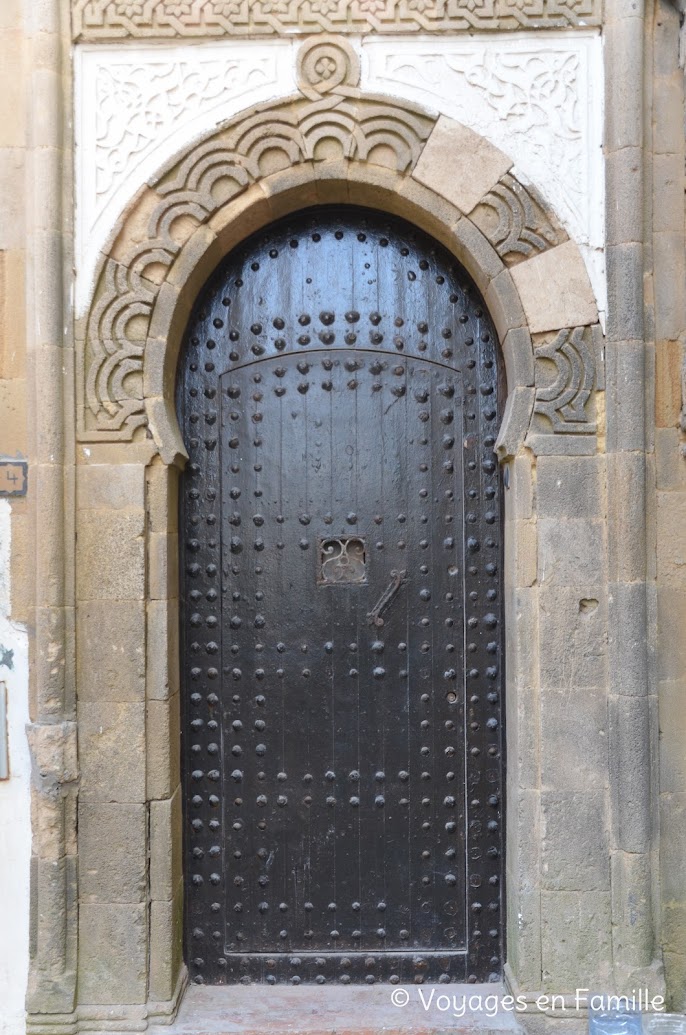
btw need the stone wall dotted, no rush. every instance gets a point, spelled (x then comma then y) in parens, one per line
(666, 292)
(596, 503)
(15, 594)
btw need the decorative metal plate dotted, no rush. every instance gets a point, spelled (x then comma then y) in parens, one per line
(343, 559)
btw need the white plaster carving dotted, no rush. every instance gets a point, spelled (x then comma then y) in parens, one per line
(539, 98)
(137, 106)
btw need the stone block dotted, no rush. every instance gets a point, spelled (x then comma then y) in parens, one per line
(521, 547)
(240, 217)
(164, 427)
(673, 842)
(519, 357)
(12, 314)
(670, 469)
(110, 487)
(624, 185)
(459, 164)
(521, 637)
(49, 362)
(523, 735)
(23, 552)
(14, 440)
(555, 290)
(163, 498)
(47, 247)
(49, 663)
(438, 217)
(626, 478)
(630, 771)
(545, 444)
(574, 740)
(166, 946)
(671, 539)
(478, 255)
(672, 711)
(524, 936)
(10, 15)
(12, 221)
(297, 181)
(137, 226)
(674, 920)
(198, 257)
(524, 837)
(623, 53)
(669, 285)
(675, 975)
(162, 649)
(668, 191)
(624, 265)
(112, 853)
(668, 116)
(112, 752)
(48, 486)
(668, 358)
(571, 552)
(163, 574)
(505, 307)
(113, 954)
(165, 846)
(633, 929)
(575, 849)
(519, 499)
(627, 638)
(110, 650)
(671, 622)
(110, 555)
(48, 117)
(163, 747)
(576, 939)
(516, 420)
(570, 487)
(573, 637)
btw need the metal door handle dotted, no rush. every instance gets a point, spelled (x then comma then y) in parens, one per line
(397, 579)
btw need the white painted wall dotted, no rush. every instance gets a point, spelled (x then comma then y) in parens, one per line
(15, 824)
(537, 96)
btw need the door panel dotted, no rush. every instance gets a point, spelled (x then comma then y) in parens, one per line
(340, 512)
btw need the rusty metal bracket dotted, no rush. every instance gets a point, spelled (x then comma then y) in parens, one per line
(397, 579)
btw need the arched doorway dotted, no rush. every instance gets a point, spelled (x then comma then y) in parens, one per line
(339, 393)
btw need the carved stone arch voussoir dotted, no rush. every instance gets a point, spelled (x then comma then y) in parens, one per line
(330, 144)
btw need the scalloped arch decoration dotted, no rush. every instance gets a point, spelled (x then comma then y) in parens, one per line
(328, 144)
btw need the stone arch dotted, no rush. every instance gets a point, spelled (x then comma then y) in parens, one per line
(332, 144)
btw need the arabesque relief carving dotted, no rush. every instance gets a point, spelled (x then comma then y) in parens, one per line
(566, 375)
(529, 100)
(330, 120)
(514, 220)
(138, 101)
(119, 19)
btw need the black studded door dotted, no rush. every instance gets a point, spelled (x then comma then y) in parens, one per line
(342, 649)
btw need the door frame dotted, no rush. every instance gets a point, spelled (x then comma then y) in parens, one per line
(127, 484)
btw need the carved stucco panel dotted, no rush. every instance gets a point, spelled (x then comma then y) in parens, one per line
(539, 100)
(136, 107)
(119, 19)
(331, 118)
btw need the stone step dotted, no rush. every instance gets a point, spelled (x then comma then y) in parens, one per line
(353, 1010)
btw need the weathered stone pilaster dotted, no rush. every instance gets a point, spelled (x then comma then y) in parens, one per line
(52, 736)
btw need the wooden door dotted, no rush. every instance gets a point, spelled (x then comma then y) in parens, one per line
(342, 634)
